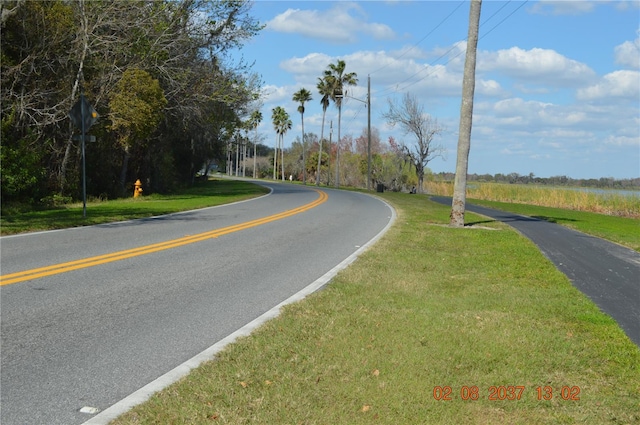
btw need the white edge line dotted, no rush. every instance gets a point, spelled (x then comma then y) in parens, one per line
(144, 393)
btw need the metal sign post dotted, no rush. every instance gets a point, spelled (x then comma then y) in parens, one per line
(83, 116)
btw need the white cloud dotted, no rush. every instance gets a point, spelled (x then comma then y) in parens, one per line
(336, 25)
(271, 93)
(541, 66)
(618, 84)
(628, 54)
(623, 141)
(311, 64)
(563, 7)
(489, 88)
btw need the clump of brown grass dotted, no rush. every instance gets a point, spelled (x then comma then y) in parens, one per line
(568, 198)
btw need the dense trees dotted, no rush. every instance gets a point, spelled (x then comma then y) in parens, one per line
(515, 178)
(157, 72)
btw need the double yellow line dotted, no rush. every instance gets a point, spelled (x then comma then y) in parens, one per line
(8, 279)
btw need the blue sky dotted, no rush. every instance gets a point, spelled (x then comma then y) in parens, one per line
(557, 82)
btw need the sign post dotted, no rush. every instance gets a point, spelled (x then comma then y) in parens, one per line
(83, 116)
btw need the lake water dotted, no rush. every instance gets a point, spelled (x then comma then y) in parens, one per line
(612, 192)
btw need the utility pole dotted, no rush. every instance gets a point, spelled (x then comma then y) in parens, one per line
(369, 132)
(466, 114)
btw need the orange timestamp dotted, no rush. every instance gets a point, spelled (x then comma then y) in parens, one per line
(505, 392)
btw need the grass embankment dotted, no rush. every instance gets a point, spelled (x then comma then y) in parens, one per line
(203, 194)
(428, 307)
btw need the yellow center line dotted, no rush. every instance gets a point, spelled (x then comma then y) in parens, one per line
(148, 249)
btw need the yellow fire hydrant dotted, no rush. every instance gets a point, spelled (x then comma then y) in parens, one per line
(137, 188)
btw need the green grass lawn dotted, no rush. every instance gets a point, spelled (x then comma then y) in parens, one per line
(203, 194)
(428, 313)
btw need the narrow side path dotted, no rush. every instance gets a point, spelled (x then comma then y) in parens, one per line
(609, 274)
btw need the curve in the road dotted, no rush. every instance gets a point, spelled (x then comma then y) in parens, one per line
(148, 249)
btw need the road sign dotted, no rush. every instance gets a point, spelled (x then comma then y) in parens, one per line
(83, 116)
(83, 111)
(87, 138)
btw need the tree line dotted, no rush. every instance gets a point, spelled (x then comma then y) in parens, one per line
(515, 178)
(316, 161)
(390, 166)
(168, 95)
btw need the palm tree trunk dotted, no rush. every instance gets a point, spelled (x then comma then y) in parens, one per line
(282, 154)
(466, 113)
(320, 149)
(304, 157)
(338, 148)
(275, 157)
(255, 149)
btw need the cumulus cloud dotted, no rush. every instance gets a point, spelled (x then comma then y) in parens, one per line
(618, 84)
(538, 66)
(627, 54)
(336, 25)
(312, 64)
(535, 117)
(271, 93)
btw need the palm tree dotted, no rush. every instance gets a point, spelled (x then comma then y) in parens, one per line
(325, 91)
(275, 118)
(281, 123)
(337, 80)
(254, 121)
(303, 95)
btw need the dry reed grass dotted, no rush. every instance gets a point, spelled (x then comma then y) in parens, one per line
(613, 204)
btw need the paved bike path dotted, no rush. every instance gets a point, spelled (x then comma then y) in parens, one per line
(609, 274)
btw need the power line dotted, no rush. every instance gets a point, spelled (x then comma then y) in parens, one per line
(423, 38)
(353, 118)
(398, 89)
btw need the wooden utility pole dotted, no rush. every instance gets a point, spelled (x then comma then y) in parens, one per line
(466, 114)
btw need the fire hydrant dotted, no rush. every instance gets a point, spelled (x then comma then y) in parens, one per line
(137, 188)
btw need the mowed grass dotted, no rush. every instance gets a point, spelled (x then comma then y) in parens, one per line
(204, 194)
(428, 307)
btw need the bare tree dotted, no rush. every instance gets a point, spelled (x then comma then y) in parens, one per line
(413, 120)
(466, 112)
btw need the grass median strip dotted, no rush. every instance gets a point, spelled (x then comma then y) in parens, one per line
(430, 313)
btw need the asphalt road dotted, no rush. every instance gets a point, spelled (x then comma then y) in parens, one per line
(89, 334)
(608, 273)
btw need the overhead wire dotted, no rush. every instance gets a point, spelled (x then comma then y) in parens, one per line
(423, 38)
(353, 118)
(433, 63)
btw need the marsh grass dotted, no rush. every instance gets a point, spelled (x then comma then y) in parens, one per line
(203, 194)
(609, 203)
(428, 306)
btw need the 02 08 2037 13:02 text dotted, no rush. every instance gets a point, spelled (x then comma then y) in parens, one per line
(505, 392)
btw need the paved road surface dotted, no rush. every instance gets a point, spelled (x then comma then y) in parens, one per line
(103, 329)
(609, 274)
